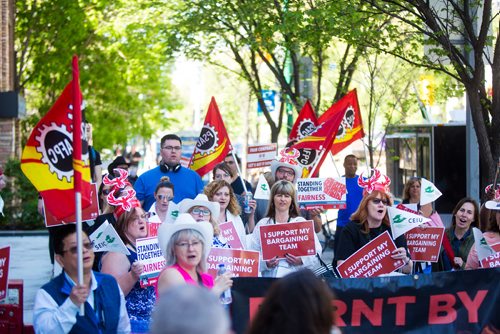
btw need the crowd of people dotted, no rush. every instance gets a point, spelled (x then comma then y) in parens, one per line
(115, 302)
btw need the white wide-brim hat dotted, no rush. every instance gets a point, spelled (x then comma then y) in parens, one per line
(185, 222)
(492, 205)
(200, 200)
(275, 164)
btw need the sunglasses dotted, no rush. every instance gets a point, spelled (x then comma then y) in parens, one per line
(74, 250)
(201, 212)
(164, 197)
(377, 201)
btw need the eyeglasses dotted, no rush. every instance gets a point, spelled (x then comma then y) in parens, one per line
(229, 162)
(286, 172)
(145, 216)
(172, 148)
(377, 201)
(201, 212)
(164, 197)
(186, 245)
(74, 250)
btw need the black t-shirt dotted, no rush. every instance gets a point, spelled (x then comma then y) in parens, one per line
(352, 239)
(238, 187)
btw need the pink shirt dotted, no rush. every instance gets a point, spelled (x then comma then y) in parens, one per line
(206, 280)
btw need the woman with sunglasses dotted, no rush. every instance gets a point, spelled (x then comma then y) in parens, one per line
(164, 193)
(368, 222)
(282, 209)
(131, 225)
(203, 210)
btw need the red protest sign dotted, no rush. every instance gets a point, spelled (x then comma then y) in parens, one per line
(373, 259)
(261, 155)
(241, 263)
(492, 261)
(405, 207)
(89, 213)
(4, 271)
(424, 243)
(228, 231)
(153, 229)
(295, 238)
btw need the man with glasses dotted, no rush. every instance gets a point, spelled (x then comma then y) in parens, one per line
(58, 302)
(187, 183)
(236, 180)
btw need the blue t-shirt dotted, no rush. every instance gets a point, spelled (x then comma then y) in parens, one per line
(187, 184)
(353, 198)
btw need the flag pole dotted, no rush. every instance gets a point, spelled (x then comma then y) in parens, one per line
(334, 164)
(239, 171)
(316, 165)
(77, 169)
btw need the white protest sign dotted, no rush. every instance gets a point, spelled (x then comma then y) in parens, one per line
(323, 193)
(428, 192)
(262, 190)
(151, 256)
(105, 239)
(403, 221)
(261, 155)
(482, 248)
(172, 213)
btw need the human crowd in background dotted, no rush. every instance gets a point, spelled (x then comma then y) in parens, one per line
(185, 299)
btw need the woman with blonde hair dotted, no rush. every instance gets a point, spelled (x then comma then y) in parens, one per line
(222, 193)
(282, 209)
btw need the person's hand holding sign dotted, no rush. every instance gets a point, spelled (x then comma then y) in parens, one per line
(136, 269)
(272, 263)
(79, 294)
(293, 260)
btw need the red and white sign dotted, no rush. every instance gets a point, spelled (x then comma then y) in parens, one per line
(424, 243)
(228, 231)
(295, 238)
(241, 263)
(261, 155)
(373, 259)
(492, 261)
(407, 208)
(89, 213)
(321, 193)
(4, 271)
(153, 229)
(151, 256)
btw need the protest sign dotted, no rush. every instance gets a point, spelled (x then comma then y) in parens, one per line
(106, 239)
(424, 243)
(428, 192)
(172, 212)
(322, 193)
(228, 231)
(89, 213)
(4, 271)
(402, 221)
(262, 191)
(409, 207)
(295, 238)
(241, 263)
(373, 259)
(483, 249)
(492, 261)
(261, 155)
(151, 256)
(153, 229)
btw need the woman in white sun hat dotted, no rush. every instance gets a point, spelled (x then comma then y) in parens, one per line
(201, 209)
(185, 245)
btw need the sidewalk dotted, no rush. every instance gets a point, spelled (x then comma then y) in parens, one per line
(29, 261)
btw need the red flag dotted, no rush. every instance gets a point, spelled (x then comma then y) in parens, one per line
(351, 127)
(48, 161)
(321, 138)
(305, 123)
(213, 144)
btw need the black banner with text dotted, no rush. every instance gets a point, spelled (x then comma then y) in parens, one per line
(447, 302)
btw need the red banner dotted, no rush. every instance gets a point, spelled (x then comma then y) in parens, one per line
(351, 127)
(424, 243)
(293, 238)
(305, 123)
(373, 259)
(89, 213)
(213, 144)
(241, 263)
(229, 232)
(4, 271)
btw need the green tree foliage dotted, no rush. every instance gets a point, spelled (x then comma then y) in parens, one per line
(124, 71)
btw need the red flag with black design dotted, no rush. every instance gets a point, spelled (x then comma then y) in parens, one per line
(213, 144)
(49, 160)
(351, 127)
(305, 123)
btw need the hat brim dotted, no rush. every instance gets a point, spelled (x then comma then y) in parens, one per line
(166, 231)
(277, 164)
(492, 205)
(188, 203)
